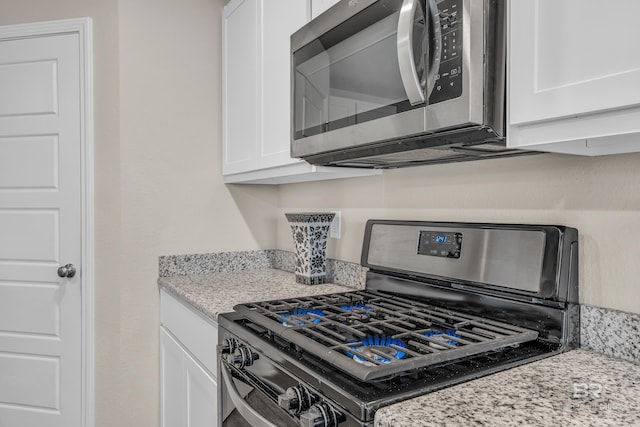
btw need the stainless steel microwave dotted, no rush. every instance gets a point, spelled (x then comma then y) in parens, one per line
(392, 83)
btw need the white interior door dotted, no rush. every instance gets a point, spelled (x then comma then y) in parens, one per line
(40, 229)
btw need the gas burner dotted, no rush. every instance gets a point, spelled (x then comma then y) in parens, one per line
(440, 336)
(357, 311)
(302, 316)
(379, 349)
(355, 307)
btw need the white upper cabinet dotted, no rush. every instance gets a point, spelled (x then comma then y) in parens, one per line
(319, 6)
(256, 104)
(574, 76)
(256, 94)
(240, 97)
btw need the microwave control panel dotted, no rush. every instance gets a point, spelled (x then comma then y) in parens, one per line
(440, 244)
(448, 83)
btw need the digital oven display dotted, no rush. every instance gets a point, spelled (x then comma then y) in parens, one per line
(447, 245)
(441, 238)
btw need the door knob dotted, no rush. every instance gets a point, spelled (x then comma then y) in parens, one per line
(67, 271)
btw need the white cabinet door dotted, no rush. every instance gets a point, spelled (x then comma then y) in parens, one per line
(240, 92)
(256, 94)
(256, 84)
(319, 6)
(188, 393)
(187, 366)
(574, 74)
(191, 330)
(275, 142)
(201, 394)
(172, 384)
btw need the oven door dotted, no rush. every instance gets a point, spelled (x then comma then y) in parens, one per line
(246, 400)
(360, 74)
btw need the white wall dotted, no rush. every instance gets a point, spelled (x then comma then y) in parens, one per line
(159, 188)
(172, 195)
(599, 196)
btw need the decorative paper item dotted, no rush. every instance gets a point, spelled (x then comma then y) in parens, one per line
(310, 232)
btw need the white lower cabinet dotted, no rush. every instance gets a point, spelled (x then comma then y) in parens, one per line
(188, 388)
(201, 395)
(172, 390)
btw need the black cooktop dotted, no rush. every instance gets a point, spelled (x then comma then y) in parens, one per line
(368, 396)
(373, 335)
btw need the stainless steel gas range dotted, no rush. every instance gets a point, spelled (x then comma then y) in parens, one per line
(444, 303)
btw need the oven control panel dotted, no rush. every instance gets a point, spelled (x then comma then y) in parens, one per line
(440, 244)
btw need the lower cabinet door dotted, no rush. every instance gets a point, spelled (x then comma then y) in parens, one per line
(201, 393)
(188, 391)
(172, 389)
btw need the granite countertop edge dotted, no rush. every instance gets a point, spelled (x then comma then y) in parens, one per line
(215, 293)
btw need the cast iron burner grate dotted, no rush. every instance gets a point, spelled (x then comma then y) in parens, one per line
(300, 316)
(381, 348)
(333, 327)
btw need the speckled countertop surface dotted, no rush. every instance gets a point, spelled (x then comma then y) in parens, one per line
(217, 293)
(578, 388)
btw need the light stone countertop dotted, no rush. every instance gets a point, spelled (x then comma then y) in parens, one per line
(217, 293)
(577, 388)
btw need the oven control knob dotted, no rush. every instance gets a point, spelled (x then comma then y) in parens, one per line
(296, 399)
(229, 345)
(321, 415)
(242, 357)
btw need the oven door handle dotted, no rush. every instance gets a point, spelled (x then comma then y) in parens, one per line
(247, 412)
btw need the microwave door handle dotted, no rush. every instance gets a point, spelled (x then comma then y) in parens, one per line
(408, 72)
(433, 19)
(241, 405)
